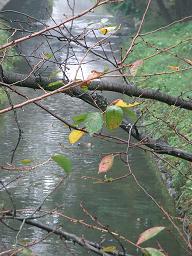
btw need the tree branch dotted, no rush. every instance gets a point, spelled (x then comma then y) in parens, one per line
(100, 102)
(89, 245)
(102, 85)
(133, 90)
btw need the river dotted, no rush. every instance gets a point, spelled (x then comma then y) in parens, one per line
(121, 205)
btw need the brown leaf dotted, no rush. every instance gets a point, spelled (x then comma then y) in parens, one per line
(174, 68)
(106, 163)
(190, 228)
(135, 66)
(189, 61)
(94, 75)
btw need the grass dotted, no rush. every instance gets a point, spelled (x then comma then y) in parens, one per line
(170, 71)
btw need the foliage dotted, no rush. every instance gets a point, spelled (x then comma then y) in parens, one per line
(164, 70)
(8, 62)
(63, 161)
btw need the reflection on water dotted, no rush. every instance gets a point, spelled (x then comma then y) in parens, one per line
(121, 205)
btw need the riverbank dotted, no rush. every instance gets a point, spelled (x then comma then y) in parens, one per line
(167, 57)
(8, 58)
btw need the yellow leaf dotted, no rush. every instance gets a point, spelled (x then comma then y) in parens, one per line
(109, 249)
(123, 104)
(135, 66)
(106, 30)
(75, 135)
(174, 68)
(26, 161)
(103, 31)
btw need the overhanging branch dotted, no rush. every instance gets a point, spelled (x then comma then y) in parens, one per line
(102, 85)
(100, 102)
(87, 244)
(132, 90)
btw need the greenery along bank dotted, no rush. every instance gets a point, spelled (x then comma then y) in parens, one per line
(166, 65)
(8, 59)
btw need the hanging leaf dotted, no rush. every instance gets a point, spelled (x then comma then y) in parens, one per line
(63, 162)
(131, 114)
(26, 252)
(149, 233)
(94, 75)
(80, 118)
(106, 69)
(113, 117)
(190, 228)
(26, 161)
(152, 252)
(75, 136)
(123, 104)
(174, 68)
(93, 122)
(109, 249)
(106, 163)
(54, 74)
(135, 66)
(47, 55)
(106, 30)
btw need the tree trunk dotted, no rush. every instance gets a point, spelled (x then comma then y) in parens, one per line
(183, 8)
(164, 11)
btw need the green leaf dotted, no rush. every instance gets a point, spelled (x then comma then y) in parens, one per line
(55, 85)
(131, 114)
(152, 252)
(54, 73)
(148, 234)
(113, 117)
(63, 162)
(93, 122)
(26, 161)
(48, 55)
(80, 118)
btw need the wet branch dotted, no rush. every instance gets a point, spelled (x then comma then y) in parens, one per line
(100, 102)
(89, 245)
(102, 85)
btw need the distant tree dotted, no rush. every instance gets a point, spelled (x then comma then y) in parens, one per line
(183, 8)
